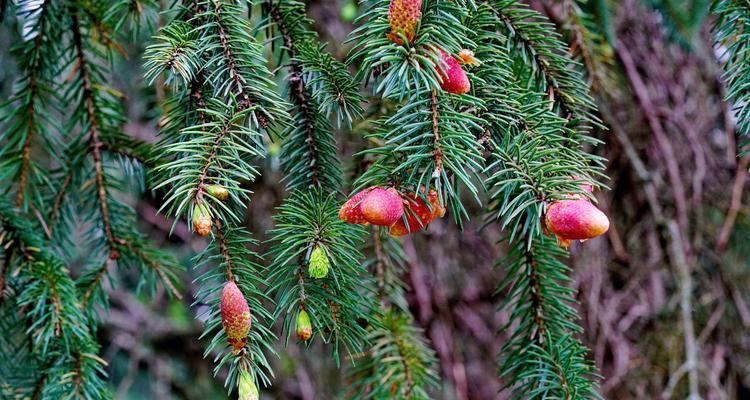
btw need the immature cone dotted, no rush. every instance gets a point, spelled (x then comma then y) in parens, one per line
(304, 326)
(382, 207)
(247, 389)
(452, 75)
(420, 214)
(351, 212)
(235, 315)
(201, 219)
(319, 264)
(218, 191)
(575, 220)
(403, 16)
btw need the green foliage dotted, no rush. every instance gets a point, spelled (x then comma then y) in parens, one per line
(541, 358)
(28, 117)
(399, 363)
(223, 103)
(317, 86)
(430, 140)
(339, 304)
(62, 348)
(540, 110)
(400, 72)
(517, 136)
(731, 32)
(325, 78)
(550, 68)
(237, 102)
(230, 258)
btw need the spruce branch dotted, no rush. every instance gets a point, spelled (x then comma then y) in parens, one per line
(203, 158)
(430, 140)
(402, 71)
(541, 358)
(398, 365)
(326, 79)
(95, 143)
(27, 116)
(229, 258)
(317, 85)
(339, 304)
(239, 59)
(535, 36)
(534, 151)
(60, 330)
(217, 145)
(585, 43)
(400, 361)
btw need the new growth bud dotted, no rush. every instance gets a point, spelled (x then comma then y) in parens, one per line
(304, 326)
(319, 263)
(466, 57)
(247, 389)
(201, 219)
(218, 191)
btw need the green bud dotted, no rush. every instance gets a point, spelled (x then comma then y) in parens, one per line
(247, 389)
(348, 11)
(201, 219)
(304, 326)
(218, 191)
(319, 264)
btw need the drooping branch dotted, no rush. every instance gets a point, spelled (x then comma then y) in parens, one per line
(95, 142)
(438, 153)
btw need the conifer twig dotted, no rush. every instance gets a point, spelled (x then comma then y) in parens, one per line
(95, 139)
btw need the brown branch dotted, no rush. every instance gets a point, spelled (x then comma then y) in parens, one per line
(223, 249)
(379, 267)
(56, 302)
(38, 386)
(196, 96)
(734, 205)
(536, 299)
(25, 154)
(578, 38)
(3, 271)
(540, 62)
(33, 87)
(57, 203)
(97, 278)
(211, 155)
(297, 94)
(437, 152)
(407, 371)
(95, 140)
(234, 74)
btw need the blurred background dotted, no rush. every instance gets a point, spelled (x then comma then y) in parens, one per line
(668, 283)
